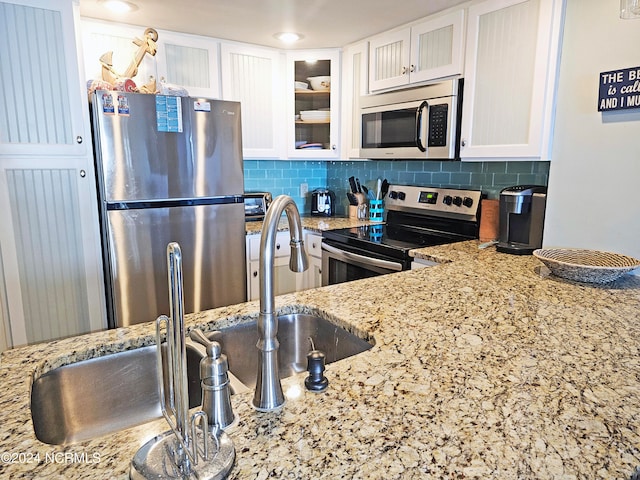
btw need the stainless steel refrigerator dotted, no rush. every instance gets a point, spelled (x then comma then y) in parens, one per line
(169, 170)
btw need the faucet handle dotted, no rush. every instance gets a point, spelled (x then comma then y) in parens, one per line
(213, 347)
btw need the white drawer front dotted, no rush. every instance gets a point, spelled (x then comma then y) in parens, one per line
(282, 245)
(312, 243)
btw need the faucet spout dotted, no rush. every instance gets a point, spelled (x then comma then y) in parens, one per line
(268, 395)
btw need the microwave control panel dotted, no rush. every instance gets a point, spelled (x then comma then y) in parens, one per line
(438, 125)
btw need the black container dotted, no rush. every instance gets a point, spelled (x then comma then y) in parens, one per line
(521, 219)
(323, 203)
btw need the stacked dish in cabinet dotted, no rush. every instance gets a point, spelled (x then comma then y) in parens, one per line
(312, 104)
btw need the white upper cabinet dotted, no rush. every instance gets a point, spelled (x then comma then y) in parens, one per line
(426, 51)
(313, 104)
(253, 77)
(510, 72)
(389, 60)
(354, 85)
(189, 61)
(114, 43)
(37, 42)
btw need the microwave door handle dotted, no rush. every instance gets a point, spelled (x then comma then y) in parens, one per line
(375, 262)
(423, 106)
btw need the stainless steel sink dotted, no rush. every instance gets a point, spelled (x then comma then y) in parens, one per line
(294, 331)
(103, 395)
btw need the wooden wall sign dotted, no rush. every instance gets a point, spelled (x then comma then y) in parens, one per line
(619, 89)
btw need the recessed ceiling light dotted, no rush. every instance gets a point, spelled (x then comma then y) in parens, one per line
(120, 6)
(288, 37)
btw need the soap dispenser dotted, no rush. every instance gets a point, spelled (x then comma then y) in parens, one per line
(316, 381)
(214, 380)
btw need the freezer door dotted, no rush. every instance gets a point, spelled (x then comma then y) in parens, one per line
(212, 239)
(138, 160)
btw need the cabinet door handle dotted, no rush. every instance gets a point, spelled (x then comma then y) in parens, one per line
(404, 70)
(277, 246)
(79, 139)
(255, 273)
(463, 143)
(412, 69)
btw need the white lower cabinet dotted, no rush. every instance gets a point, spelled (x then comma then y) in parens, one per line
(285, 281)
(313, 245)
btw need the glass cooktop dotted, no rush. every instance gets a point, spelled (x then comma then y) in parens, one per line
(389, 240)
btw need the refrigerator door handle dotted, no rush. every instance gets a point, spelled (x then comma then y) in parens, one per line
(176, 202)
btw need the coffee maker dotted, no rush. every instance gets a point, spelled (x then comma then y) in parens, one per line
(521, 219)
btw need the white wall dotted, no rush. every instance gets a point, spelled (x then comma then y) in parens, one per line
(594, 179)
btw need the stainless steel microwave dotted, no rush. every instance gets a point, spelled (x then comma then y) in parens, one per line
(419, 123)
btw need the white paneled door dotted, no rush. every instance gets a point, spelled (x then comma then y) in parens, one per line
(510, 74)
(49, 241)
(252, 76)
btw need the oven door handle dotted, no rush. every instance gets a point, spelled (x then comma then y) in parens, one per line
(375, 262)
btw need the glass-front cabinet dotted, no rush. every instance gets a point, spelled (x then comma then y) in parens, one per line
(314, 101)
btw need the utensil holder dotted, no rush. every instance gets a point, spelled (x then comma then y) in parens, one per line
(376, 210)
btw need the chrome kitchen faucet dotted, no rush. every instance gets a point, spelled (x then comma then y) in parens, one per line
(268, 395)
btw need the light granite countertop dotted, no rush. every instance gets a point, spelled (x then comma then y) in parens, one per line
(484, 367)
(316, 224)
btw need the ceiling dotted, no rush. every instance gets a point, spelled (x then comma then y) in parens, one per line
(323, 23)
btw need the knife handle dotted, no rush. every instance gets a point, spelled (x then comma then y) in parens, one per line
(352, 185)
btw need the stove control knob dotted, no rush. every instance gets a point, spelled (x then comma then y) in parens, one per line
(393, 194)
(457, 201)
(401, 196)
(467, 202)
(447, 200)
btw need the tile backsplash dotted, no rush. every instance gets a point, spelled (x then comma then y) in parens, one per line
(285, 176)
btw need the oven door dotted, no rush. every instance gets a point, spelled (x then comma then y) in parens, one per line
(340, 265)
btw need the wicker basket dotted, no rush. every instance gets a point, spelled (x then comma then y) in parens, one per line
(582, 265)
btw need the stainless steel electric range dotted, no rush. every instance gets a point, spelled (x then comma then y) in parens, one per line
(416, 217)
